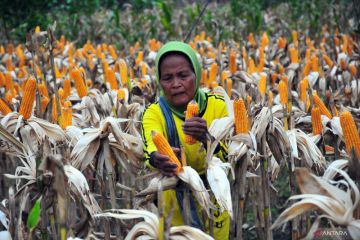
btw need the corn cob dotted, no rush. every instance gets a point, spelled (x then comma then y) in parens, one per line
(44, 102)
(274, 77)
(27, 102)
(295, 38)
(251, 40)
(9, 84)
(281, 43)
(240, 116)
(232, 62)
(139, 58)
(164, 148)
(4, 108)
(204, 76)
(43, 90)
(67, 88)
(316, 121)
(66, 119)
(261, 64)
(283, 90)
(79, 82)
(10, 48)
(192, 110)
(281, 69)
(314, 64)
(2, 79)
(303, 89)
(352, 69)
(8, 96)
(54, 113)
(264, 40)
(89, 83)
(251, 67)
(343, 64)
(212, 73)
(308, 54)
(307, 68)
(229, 84)
(328, 60)
(110, 75)
(271, 97)
(321, 105)
(123, 72)
(262, 85)
(112, 52)
(345, 43)
(121, 95)
(351, 135)
(294, 55)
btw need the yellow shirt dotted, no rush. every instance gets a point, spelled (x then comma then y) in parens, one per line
(153, 119)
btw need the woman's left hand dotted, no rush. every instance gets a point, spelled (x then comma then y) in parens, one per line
(196, 127)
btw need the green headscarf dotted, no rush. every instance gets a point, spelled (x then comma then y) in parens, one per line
(176, 46)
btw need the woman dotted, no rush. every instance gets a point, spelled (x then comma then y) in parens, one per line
(178, 74)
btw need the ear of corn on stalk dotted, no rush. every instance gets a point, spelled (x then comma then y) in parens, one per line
(240, 116)
(350, 132)
(27, 102)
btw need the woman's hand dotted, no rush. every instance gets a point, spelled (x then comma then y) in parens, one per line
(196, 127)
(161, 162)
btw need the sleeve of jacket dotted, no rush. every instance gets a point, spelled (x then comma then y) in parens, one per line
(151, 121)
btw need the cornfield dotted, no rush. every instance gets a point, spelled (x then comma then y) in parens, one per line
(72, 159)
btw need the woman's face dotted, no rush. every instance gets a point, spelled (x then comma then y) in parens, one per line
(177, 79)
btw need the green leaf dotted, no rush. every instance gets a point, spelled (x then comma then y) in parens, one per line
(34, 215)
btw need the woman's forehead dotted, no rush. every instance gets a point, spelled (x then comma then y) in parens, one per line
(174, 60)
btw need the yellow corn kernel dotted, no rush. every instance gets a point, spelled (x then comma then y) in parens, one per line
(283, 91)
(27, 102)
(79, 82)
(316, 121)
(350, 132)
(323, 109)
(4, 108)
(262, 85)
(163, 146)
(192, 110)
(232, 62)
(240, 116)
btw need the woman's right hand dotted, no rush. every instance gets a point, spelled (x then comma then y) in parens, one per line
(162, 162)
